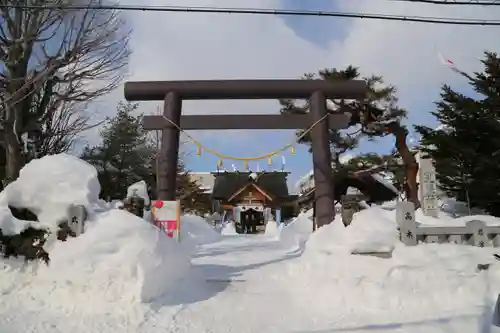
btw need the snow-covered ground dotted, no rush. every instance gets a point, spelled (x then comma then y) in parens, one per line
(124, 275)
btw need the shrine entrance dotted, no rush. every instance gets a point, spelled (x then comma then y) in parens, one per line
(250, 220)
(318, 119)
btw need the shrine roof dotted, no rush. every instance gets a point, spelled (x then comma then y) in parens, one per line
(228, 183)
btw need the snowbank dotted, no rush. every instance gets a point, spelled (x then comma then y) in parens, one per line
(229, 229)
(370, 231)
(47, 187)
(296, 233)
(119, 263)
(272, 229)
(445, 219)
(414, 287)
(196, 231)
(120, 258)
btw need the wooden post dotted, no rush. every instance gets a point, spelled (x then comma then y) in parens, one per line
(322, 162)
(169, 151)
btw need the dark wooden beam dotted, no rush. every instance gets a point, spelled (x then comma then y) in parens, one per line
(169, 149)
(244, 89)
(324, 201)
(243, 121)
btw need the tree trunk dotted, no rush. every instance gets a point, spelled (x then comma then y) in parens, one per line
(409, 162)
(14, 158)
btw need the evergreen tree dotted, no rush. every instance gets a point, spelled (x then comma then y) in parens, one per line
(128, 154)
(466, 146)
(376, 116)
(124, 155)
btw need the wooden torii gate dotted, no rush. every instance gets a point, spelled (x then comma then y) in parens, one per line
(317, 91)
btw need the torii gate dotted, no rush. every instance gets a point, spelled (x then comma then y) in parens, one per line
(317, 91)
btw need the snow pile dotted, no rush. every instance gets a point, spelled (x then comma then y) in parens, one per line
(229, 229)
(101, 206)
(120, 258)
(139, 189)
(370, 231)
(47, 187)
(121, 261)
(195, 231)
(272, 229)
(448, 220)
(413, 288)
(416, 286)
(296, 233)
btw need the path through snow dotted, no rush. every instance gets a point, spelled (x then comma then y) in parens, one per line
(252, 285)
(240, 294)
(249, 284)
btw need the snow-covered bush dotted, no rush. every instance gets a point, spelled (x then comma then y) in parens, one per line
(34, 208)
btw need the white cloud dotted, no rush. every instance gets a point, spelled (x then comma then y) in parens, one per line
(176, 46)
(406, 54)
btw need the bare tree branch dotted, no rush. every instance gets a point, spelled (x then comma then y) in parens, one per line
(54, 59)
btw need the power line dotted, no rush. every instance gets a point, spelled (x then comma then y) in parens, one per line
(266, 11)
(455, 2)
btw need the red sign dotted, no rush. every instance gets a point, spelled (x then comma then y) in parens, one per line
(170, 226)
(166, 215)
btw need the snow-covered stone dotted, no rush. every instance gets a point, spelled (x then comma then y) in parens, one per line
(47, 187)
(139, 189)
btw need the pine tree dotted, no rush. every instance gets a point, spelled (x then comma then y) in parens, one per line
(124, 154)
(466, 146)
(376, 116)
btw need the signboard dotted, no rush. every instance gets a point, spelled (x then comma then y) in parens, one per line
(167, 217)
(405, 218)
(428, 188)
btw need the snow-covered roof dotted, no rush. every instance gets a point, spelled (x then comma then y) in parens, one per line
(205, 180)
(305, 178)
(384, 181)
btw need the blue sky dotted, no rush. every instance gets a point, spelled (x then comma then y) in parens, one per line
(319, 31)
(201, 46)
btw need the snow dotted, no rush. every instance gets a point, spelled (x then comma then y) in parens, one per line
(47, 187)
(229, 229)
(385, 182)
(120, 263)
(196, 231)
(296, 233)
(369, 231)
(120, 258)
(123, 274)
(141, 190)
(272, 229)
(448, 220)
(324, 288)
